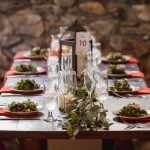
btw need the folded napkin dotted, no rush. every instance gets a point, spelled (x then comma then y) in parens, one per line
(11, 90)
(143, 90)
(128, 75)
(136, 75)
(129, 60)
(21, 56)
(7, 90)
(54, 53)
(9, 73)
(133, 60)
(3, 112)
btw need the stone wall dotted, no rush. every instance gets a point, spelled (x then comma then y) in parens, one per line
(120, 25)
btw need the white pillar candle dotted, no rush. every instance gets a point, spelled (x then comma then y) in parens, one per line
(61, 100)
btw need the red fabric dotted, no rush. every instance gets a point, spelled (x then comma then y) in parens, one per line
(19, 56)
(143, 90)
(2, 111)
(11, 90)
(54, 53)
(133, 60)
(136, 75)
(7, 90)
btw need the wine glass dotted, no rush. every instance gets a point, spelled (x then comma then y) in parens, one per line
(66, 61)
(101, 88)
(66, 84)
(88, 60)
(97, 56)
(50, 100)
(89, 81)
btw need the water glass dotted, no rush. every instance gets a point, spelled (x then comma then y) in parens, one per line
(89, 81)
(101, 88)
(66, 84)
(66, 61)
(50, 100)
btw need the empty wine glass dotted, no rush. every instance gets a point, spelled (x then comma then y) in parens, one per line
(87, 60)
(66, 84)
(50, 101)
(89, 81)
(63, 86)
(66, 61)
(101, 88)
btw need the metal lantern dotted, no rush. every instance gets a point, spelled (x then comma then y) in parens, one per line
(68, 58)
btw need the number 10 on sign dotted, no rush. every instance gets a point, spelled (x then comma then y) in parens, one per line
(82, 42)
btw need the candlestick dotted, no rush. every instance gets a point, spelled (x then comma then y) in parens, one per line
(61, 100)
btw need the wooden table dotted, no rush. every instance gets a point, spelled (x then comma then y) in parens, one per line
(39, 129)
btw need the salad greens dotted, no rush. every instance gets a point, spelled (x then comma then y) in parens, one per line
(26, 84)
(121, 85)
(132, 110)
(115, 57)
(25, 68)
(37, 51)
(26, 106)
(116, 69)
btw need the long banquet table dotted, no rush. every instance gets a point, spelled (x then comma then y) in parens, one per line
(36, 128)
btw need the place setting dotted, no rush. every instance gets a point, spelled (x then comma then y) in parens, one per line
(119, 71)
(118, 58)
(25, 109)
(123, 88)
(26, 69)
(24, 86)
(133, 115)
(36, 53)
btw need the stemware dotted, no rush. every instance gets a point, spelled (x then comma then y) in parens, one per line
(66, 61)
(66, 84)
(101, 88)
(89, 81)
(97, 56)
(50, 101)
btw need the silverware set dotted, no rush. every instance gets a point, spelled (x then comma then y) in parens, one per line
(125, 95)
(137, 125)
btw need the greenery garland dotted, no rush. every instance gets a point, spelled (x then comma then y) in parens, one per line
(83, 114)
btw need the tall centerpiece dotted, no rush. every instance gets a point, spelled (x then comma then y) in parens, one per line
(75, 43)
(77, 97)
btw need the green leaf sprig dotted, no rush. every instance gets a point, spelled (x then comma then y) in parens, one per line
(83, 114)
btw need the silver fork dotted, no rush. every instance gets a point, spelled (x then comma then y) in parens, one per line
(136, 125)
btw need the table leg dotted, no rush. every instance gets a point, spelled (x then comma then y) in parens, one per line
(108, 144)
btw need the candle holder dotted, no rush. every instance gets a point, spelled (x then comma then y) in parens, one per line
(68, 52)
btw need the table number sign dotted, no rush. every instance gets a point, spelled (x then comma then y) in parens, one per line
(82, 43)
